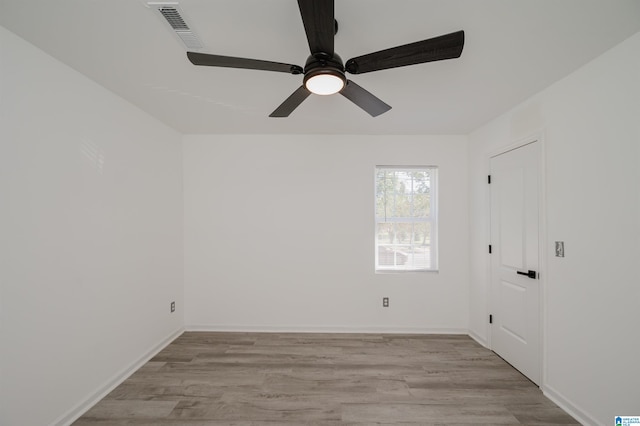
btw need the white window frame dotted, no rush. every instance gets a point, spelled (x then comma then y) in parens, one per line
(431, 219)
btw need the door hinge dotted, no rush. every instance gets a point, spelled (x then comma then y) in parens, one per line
(490, 319)
(489, 248)
(489, 179)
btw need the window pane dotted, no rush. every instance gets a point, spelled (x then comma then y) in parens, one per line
(403, 193)
(404, 246)
(404, 233)
(422, 234)
(385, 193)
(386, 233)
(421, 205)
(419, 258)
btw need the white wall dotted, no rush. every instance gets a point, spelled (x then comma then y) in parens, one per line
(279, 235)
(90, 236)
(591, 125)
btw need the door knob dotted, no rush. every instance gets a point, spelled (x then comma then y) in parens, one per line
(530, 273)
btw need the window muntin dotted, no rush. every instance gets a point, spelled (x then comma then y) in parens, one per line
(406, 218)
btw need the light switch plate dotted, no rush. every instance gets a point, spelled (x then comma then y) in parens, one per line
(559, 248)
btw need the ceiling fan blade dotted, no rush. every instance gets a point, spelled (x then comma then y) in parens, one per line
(291, 103)
(243, 63)
(364, 99)
(447, 46)
(319, 24)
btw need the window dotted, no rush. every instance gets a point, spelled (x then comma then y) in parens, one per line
(406, 219)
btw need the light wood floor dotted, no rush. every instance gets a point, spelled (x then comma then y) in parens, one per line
(325, 379)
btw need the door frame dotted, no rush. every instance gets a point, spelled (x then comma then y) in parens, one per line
(542, 243)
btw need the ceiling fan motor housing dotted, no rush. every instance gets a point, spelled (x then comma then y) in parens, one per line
(321, 63)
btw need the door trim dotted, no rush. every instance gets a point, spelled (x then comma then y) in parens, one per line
(542, 242)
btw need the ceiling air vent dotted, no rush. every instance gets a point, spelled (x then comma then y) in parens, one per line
(175, 18)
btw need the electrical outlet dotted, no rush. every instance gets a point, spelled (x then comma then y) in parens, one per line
(173, 306)
(385, 302)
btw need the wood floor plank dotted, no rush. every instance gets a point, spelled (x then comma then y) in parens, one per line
(429, 413)
(245, 379)
(127, 409)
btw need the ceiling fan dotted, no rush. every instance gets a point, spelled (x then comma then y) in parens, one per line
(324, 72)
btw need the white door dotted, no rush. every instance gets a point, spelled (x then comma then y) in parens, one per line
(515, 289)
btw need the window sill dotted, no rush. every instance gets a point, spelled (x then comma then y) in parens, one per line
(407, 271)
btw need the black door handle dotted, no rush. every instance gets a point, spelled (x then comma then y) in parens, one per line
(530, 273)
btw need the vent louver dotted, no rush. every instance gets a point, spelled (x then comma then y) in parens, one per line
(174, 19)
(172, 14)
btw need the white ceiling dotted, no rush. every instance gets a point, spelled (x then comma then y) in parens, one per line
(513, 49)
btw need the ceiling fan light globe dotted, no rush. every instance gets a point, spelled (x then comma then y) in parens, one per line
(324, 84)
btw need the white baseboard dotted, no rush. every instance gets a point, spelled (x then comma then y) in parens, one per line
(320, 329)
(78, 410)
(576, 412)
(478, 339)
